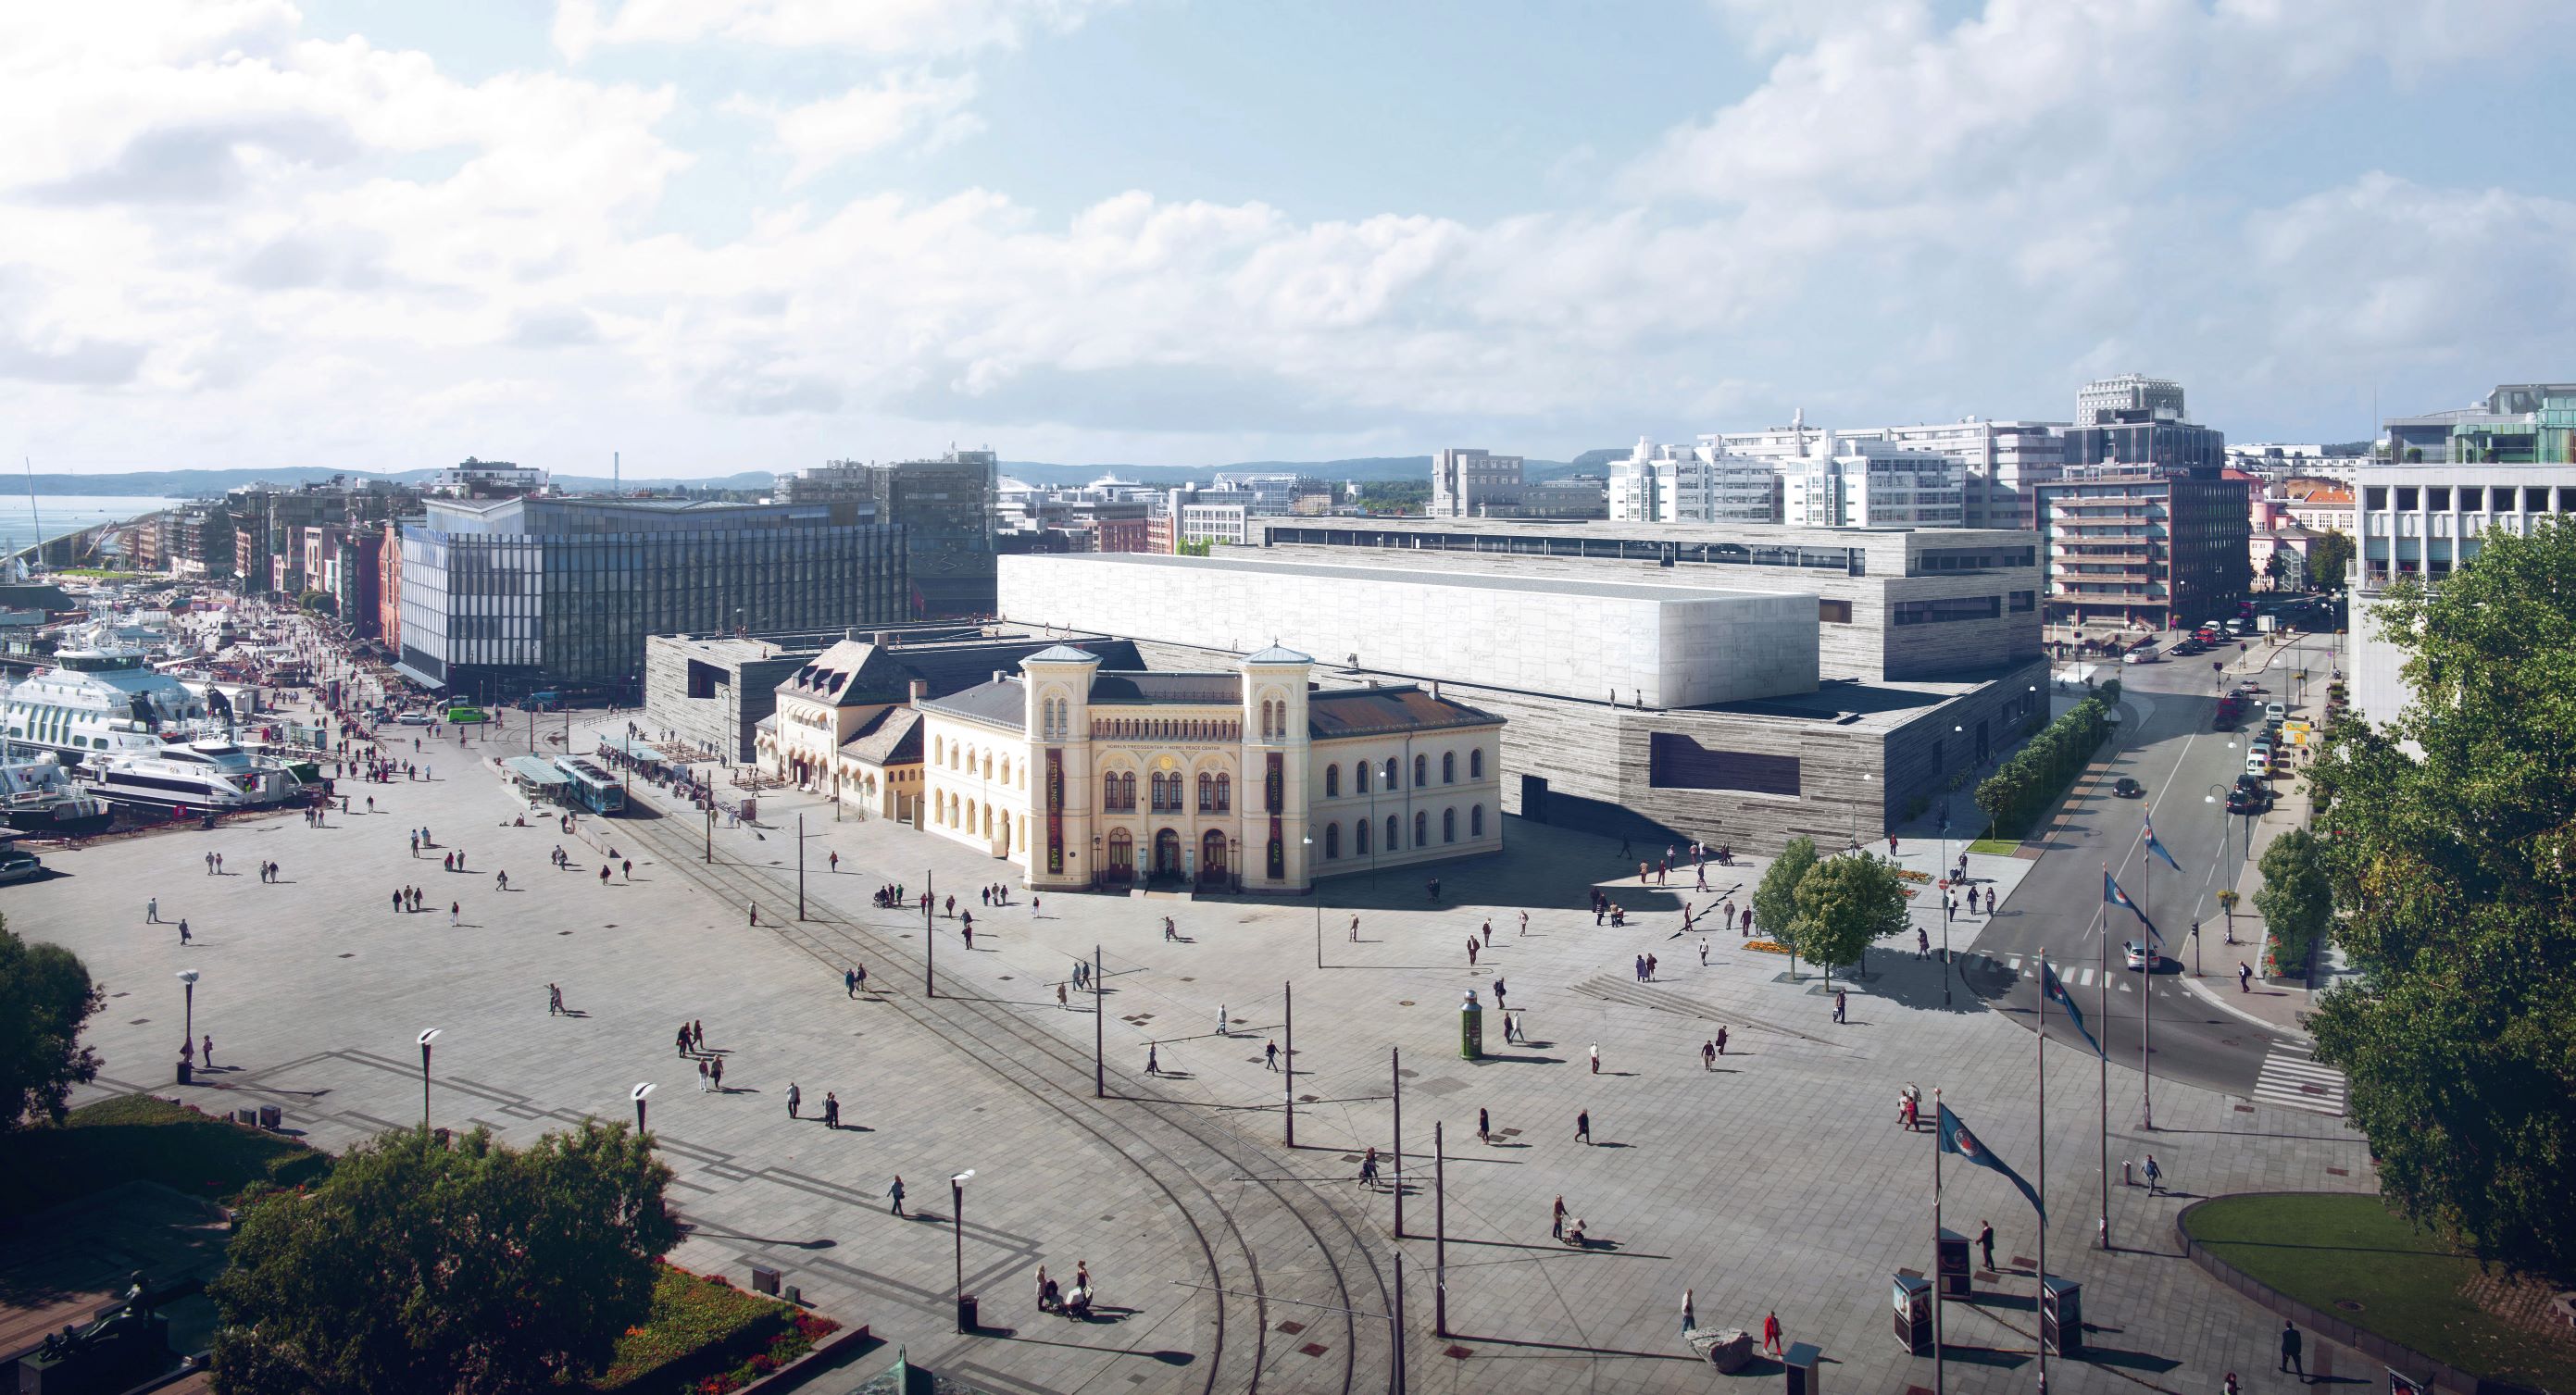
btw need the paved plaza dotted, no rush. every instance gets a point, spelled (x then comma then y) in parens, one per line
(1225, 1259)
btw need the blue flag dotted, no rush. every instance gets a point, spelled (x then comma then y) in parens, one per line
(2112, 893)
(1956, 1139)
(2158, 849)
(2055, 991)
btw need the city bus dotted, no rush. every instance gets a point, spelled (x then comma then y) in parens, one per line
(593, 788)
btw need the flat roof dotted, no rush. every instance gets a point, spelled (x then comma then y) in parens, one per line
(1477, 581)
(1634, 531)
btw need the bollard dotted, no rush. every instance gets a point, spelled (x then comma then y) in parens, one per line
(1471, 1028)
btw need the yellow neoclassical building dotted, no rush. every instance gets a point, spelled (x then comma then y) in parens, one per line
(1253, 779)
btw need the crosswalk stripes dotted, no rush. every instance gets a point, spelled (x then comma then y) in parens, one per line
(2291, 1078)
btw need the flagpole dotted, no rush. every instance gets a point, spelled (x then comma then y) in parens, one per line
(2102, 958)
(2039, 1298)
(2147, 990)
(1939, 1361)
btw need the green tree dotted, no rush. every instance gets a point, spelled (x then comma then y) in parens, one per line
(2454, 864)
(1845, 904)
(476, 1269)
(318, 603)
(2327, 558)
(2276, 567)
(1775, 900)
(2295, 899)
(45, 996)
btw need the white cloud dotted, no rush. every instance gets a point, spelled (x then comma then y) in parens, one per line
(884, 27)
(899, 106)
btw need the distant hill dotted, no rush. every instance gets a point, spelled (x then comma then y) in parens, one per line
(190, 484)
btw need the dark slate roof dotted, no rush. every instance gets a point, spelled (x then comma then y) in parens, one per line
(857, 673)
(1196, 689)
(892, 737)
(999, 701)
(1375, 711)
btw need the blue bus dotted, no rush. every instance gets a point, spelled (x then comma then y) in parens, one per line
(593, 788)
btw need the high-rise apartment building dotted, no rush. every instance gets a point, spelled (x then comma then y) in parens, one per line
(2142, 546)
(1687, 484)
(1466, 481)
(2130, 396)
(1872, 484)
(505, 596)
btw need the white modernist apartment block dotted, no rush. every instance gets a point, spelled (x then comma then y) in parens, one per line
(1874, 485)
(1656, 646)
(1240, 779)
(1692, 484)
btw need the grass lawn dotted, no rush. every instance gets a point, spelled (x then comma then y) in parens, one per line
(140, 1138)
(703, 1328)
(2325, 1249)
(1997, 847)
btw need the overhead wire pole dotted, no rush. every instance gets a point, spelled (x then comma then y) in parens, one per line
(2039, 1299)
(929, 939)
(1938, 1356)
(1439, 1232)
(1099, 1037)
(1288, 1073)
(2102, 959)
(1395, 1073)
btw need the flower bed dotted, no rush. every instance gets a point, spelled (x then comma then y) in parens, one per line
(1766, 947)
(1908, 874)
(707, 1337)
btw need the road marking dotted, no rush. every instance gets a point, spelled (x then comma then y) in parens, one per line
(2292, 1078)
(2124, 985)
(2015, 962)
(2084, 978)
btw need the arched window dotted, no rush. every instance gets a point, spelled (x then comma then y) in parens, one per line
(1127, 791)
(938, 749)
(1421, 771)
(1332, 782)
(1448, 825)
(1207, 793)
(1360, 838)
(1476, 822)
(1332, 841)
(1421, 828)
(1392, 782)
(1448, 767)
(1476, 763)
(1394, 834)
(1109, 791)
(1224, 793)
(1360, 778)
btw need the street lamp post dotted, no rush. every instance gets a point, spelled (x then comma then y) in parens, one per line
(637, 1094)
(188, 1033)
(957, 1214)
(425, 1039)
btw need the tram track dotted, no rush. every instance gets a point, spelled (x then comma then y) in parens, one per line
(1320, 1257)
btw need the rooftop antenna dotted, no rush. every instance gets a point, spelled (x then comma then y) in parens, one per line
(615, 474)
(31, 509)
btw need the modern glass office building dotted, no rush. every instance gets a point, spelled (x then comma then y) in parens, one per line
(503, 596)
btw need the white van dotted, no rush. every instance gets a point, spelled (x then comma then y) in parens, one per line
(2276, 712)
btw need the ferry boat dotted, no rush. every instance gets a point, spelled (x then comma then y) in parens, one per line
(37, 796)
(96, 702)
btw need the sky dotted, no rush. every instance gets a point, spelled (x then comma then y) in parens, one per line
(721, 235)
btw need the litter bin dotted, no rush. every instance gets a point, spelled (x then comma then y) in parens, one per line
(966, 1313)
(271, 1117)
(187, 1072)
(1801, 1364)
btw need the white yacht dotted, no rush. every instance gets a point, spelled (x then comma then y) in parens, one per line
(211, 774)
(94, 702)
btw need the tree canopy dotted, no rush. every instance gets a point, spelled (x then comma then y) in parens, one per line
(45, 996)
(1844, 905)
(2295, 900)
(2327, 558)
(477, 1268)
(2454, 862)
(1775, 899)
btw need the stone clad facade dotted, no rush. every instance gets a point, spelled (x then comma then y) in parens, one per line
(1247, 779)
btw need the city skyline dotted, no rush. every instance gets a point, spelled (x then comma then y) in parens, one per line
(745, 234)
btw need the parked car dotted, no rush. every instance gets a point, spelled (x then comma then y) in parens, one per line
(17, 865)
(2127, 788)
(2276, 712)
(2139, 656)
(2258, 765)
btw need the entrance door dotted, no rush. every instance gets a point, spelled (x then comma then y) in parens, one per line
(1212, 856)
(1167, 853)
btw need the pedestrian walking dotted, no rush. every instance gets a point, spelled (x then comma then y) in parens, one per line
(1583, 1127)
(1270, 1055)
(1922, 943)
(1703, 951)
(1489, 934)
(1841, 1004)
(1368, 1169)
(1355, 929)
(207, 1053)
(183, 930)
(702, 1076)
(1690, 1319)
(1596, 1058)
(1484, 1126)
(1556, 1220)
(1650, 968)
(2290, 1344)
(1471, 951)
(1524, 922)
(2155, 1176)
(850, 982)
(1708, 1055)
(1721, 1041)
(1986, 1241)
(554, 1001)
(1771, 1330)
(835, 860)
(1222, 1028)
(1498, 992)
(1061, 1004)
(627, 869)
(795, 1099)
(715, 1074)
(455, 914)
(210, 864)
(2244, 977)
(698, 1034)
(752, 908)
(1153, 1060)
(1637, 968)
(832, 1121)
(152, 911)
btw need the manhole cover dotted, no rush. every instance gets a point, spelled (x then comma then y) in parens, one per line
(2348, 1305)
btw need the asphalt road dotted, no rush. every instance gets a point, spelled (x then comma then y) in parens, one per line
(2166, 745)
